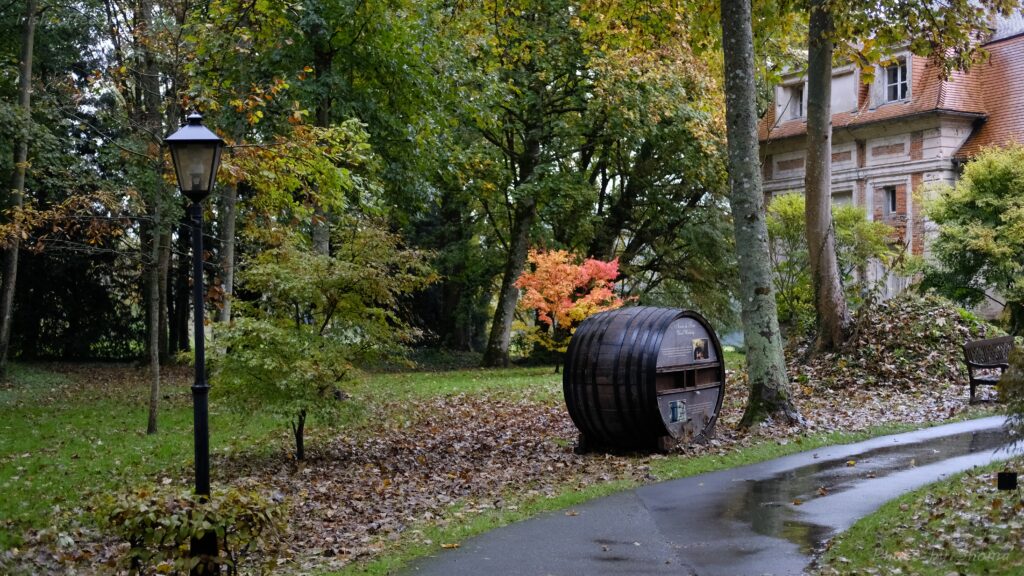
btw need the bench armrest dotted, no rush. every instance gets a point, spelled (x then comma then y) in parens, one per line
(1000, 365)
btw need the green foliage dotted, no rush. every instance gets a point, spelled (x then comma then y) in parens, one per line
(980, 244)
(858, 242)
(331, 167)
(946, 32)
(159, 525)
(315, 319)
(1011, 391)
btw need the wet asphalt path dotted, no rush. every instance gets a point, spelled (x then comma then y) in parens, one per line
(736, 522)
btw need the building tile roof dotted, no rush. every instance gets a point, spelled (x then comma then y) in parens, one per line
(929, 93)
(992, 90)
(1001, 88)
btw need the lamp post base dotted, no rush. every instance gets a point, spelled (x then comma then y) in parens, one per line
(205, 549)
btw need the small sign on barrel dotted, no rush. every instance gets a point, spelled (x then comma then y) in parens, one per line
(643, 377)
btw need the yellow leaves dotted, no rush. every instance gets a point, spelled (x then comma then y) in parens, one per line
(450, 546)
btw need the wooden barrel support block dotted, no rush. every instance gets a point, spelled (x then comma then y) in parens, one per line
(643, 377)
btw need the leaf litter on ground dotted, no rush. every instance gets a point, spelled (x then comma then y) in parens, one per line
(362, 492)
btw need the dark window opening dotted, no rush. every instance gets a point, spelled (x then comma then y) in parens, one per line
(890, 199)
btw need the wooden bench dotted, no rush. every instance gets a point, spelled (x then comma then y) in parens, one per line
(988, 355)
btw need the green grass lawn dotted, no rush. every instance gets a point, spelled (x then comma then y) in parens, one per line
(961, 525)
(61, 442)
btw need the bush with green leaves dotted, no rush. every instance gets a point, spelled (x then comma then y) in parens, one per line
(980, 244)
(858, 242)
(160, 523)
(313, 319)
(1011, 392)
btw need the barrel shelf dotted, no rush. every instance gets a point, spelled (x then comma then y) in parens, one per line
(643, 377)
(679, 367)
(714, 386)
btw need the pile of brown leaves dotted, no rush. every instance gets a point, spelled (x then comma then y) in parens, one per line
(354, 495)
(904, 363)
(903, 342)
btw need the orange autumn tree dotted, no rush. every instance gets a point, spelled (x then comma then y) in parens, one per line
(563, 291)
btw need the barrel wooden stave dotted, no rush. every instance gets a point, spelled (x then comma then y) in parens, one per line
(611, 381)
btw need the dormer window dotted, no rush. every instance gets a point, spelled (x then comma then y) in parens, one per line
(796, 102)
(896, 84)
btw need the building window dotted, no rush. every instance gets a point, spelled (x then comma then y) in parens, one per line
(890, 200)
(842, 198)
(796, 102)
(896, 84)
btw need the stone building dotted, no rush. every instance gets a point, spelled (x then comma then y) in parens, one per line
(905, 130)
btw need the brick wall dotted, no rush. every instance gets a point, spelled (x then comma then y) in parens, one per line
(791, 164)
(888, 149)
(917, 145)
(843, 156)
(917, 229)
(897, 219)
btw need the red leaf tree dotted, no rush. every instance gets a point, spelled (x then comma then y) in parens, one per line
(565, 290)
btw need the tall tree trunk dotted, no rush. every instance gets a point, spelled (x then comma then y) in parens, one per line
(182, 291)
(163, 266)
(496, 353)
(829, 300)
(228, 217)
(323, 61)
(523, 217)
(766, 368)
(18, 181)
(154, 326)
(149, 83)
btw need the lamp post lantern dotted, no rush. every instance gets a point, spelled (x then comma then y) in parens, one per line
(195, 152)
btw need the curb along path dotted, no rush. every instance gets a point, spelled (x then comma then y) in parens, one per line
(761, 519)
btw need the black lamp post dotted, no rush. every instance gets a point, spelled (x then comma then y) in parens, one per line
(195, 151)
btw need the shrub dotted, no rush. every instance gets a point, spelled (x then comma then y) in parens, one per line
(159, 525)
(317, 318)
(564, 290)
(1011, 392)
(980, 244)
(858, 242)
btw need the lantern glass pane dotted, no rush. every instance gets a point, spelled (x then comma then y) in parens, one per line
(195, 164)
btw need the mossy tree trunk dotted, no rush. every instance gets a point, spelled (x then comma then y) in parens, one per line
(833, 317)
(766, 369)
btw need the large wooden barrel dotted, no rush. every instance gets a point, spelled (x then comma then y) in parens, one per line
(643, 377)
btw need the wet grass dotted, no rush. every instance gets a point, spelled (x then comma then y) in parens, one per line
(538, 383)
(960, 525)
